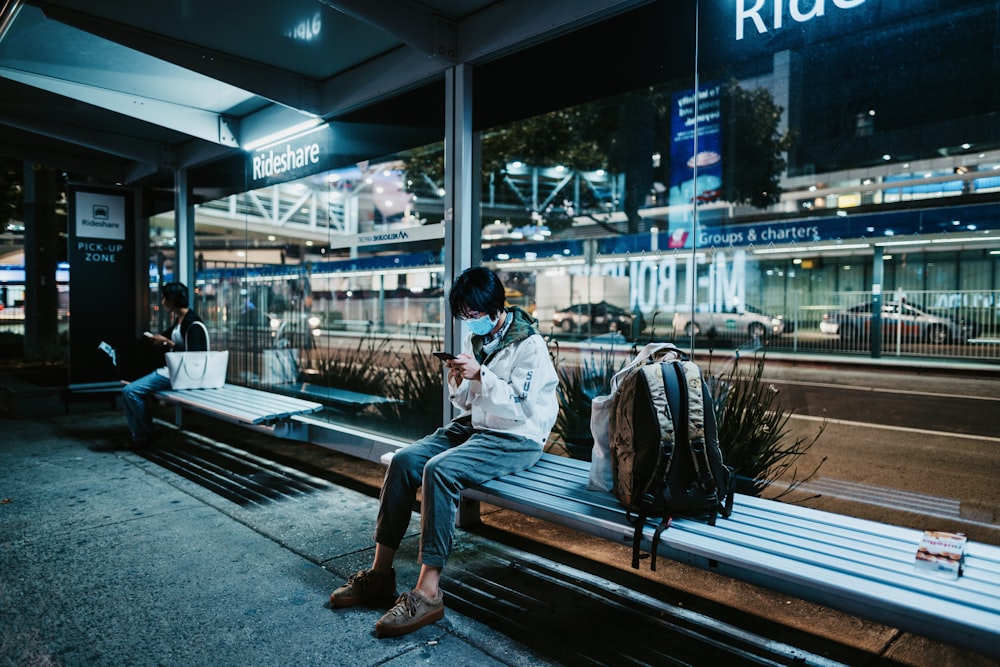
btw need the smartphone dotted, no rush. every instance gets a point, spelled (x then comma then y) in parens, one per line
(444, 356)
(147, 334)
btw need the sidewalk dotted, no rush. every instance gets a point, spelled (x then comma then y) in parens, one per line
(119, 559)
(106, 560)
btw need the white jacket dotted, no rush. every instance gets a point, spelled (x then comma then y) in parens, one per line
(517, 392)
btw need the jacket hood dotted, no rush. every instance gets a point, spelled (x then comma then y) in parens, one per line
(523, 326)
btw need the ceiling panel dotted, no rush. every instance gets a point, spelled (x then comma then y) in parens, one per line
(181, 84)
(302, 36)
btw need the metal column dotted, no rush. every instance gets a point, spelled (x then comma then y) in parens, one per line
(461, 175)
(184, 230)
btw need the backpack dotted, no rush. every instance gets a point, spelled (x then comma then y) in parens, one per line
(664, 446)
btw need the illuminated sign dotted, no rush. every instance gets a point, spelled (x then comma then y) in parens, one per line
(288, 160)
(100, 216)
(270, 163)
(769, 15)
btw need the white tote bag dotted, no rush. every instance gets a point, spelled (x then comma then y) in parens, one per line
(600, 414)
(198, 370)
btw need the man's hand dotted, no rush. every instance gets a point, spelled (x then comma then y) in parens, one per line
(464, 366)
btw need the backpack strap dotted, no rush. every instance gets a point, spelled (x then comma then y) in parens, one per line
(694, 412)
(677, 411)
(637, 540)
(665, 457)
(712, 436)
(674, 413)
(664, 524)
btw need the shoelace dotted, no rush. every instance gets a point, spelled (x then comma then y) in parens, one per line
(406, 605)
(360, 578)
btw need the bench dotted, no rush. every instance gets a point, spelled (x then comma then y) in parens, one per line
(338, 398)
(857, 566)
(259, 410)
(860, 567)
(112, 388)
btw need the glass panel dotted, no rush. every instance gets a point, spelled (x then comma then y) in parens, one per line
(744, 203)
(737, 203)
(326, 287)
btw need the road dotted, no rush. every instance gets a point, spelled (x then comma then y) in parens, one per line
(920, 449)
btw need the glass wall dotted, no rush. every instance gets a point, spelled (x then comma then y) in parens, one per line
(727, 178)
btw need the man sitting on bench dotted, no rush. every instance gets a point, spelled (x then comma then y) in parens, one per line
(504, 384)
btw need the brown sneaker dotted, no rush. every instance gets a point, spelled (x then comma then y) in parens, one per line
(365, 586)
(412, 611)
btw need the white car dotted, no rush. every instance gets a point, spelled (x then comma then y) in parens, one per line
(749, 321)
(909, 322)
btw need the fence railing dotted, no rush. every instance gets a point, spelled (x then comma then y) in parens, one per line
(946, 324)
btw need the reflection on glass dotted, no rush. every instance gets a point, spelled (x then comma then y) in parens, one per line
(739, 208)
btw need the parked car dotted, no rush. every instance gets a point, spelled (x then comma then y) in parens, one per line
(898, 319)
(594, 317)
(750, 321)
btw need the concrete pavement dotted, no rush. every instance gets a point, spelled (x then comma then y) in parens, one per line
(106, 560)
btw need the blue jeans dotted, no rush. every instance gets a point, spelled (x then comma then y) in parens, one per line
(135, 399)
(452, 458)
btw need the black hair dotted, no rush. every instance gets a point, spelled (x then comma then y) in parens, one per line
(476, 290)
(176, 294)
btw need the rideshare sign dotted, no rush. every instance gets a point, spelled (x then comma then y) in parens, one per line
(102, 293)
(298, 157)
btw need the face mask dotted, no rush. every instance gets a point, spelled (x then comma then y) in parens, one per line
(481, 325)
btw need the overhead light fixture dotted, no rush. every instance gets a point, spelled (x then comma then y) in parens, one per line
(884, 244)
(812, 248)
(777, 251)
(968, 239)
(292, 132)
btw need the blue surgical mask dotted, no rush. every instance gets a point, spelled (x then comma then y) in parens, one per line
(481, 325)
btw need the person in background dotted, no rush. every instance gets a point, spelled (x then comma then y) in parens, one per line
(179, 336)
(504, 385)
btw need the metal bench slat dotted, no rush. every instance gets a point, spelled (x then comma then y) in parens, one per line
(827, 576)
(571, 477)
(887, 569)
(281, 406)
(241, 404)
(890, 562)
(205, 402)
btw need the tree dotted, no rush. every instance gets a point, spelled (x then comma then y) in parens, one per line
(752, 146)
(621, 135)
(568, 137)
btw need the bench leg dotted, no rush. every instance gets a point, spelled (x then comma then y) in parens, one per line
(178, 416)
(468, 513)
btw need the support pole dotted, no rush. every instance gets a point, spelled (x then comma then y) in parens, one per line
(41, 299)
(184, 231)
(875, 331)
(461, 174)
